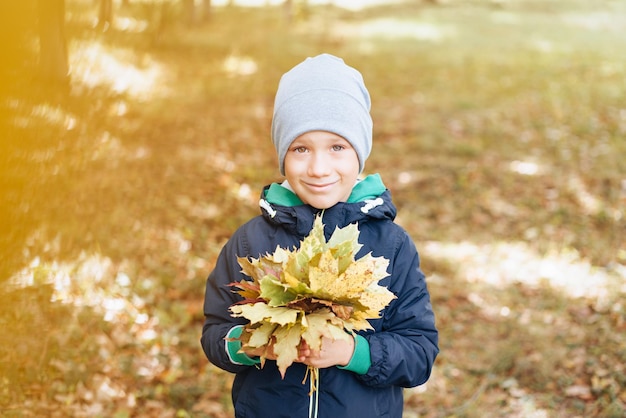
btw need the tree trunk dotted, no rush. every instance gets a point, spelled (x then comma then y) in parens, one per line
(189, 11)
(105, 15)
(206, 10)
(53, 59)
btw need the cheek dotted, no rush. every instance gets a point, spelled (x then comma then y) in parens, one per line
(350, 167)
(351, 162)
(290, 165)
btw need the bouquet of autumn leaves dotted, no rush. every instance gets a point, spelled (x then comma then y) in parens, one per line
(316, 291)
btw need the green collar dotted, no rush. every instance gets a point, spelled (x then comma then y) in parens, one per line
(369, 188)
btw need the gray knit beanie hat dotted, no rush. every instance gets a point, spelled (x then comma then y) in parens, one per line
(322, 94)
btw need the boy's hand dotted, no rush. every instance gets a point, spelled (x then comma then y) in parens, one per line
(332, 353)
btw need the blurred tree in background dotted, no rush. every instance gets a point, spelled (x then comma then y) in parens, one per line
(53, 59)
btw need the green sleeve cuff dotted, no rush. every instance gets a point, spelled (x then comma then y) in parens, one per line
(233, 348)
(361, 360)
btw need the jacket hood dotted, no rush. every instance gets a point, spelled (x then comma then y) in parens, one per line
(370, 199)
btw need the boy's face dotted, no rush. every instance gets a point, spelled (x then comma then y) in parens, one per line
(322, 168)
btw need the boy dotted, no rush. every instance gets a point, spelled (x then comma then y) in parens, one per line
(322, 131)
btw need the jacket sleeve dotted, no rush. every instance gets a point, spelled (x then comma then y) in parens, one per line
(405, 344)
(217, 299)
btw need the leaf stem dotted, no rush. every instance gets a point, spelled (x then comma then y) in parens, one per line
(314, 374)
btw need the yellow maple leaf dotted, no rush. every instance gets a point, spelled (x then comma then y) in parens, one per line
(262, 335)
(260, 312)
(286, 346)
(323, 324)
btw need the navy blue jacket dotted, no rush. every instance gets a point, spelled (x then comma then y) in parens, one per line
(402, 346)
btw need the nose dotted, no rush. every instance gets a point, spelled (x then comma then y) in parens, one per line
(319, 165)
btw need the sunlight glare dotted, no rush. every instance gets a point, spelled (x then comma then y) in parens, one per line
(88, 282)
(95, 65)
(598, 21)
(503, 263)
(178, 241)
(126, 24)
(542, 45)
(524, 167)
(589, 203)
(346, 4)
(55, 115)
(404, 177)
(506, 18)
(239, 66)
(243, 192)
(113, 307)
(396, 29)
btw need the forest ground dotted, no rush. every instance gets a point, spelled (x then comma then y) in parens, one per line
(499, 128)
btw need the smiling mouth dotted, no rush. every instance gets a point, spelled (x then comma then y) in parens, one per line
(319, 186)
